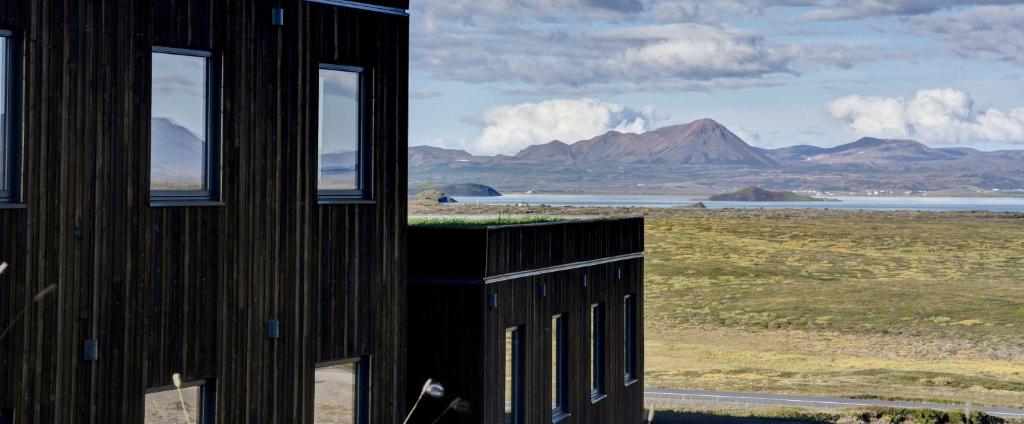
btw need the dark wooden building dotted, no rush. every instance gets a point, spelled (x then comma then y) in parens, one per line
(531, 323)
(225, 230)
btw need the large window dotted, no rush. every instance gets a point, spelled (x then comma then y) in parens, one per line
(629, 333)
(597, 360)
(184, 163)
(340, 152)
(170, 405)
(559, 371)
(514, 412)
(8, 138)
(339, 396)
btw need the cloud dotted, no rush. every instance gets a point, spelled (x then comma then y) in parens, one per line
(990, 32)
(510, 128)
(424, 94)
(941, 116)
(858, 9)
(476, 12)
(646, 58)
(599, 47)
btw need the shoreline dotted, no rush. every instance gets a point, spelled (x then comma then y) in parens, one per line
(468, 209)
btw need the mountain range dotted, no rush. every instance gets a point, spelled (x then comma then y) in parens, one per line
(174, 154)
(704, 157)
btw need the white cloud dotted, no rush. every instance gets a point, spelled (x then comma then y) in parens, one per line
(424, 94)
(990, 32)
(552, 47)
(941, 116)
(857, 9)
(510, 128)
(749, 136)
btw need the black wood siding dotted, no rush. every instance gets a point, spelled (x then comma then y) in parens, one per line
(189, 289)
(456, 338)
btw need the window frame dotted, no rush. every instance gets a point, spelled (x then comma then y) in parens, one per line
(365, 192)
(212, 195)
(559, 369)
(598, 327)
(362, 382)
(518, 373)
(10, 190)
(629, 365)
(207, 397)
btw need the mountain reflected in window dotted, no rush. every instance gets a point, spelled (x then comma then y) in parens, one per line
(179, 122)
(339, 132)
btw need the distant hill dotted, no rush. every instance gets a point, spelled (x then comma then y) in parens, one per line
(705, 157)
(475, 190)
(757, 194)
(870, 152)
(700, 142)
(174, 154)
(430, 155)
(431, 197)
(555, 150)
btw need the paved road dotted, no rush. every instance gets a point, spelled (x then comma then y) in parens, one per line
(758, 399)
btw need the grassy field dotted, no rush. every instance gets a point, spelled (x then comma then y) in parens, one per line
(893, 305)
(922, 306)
(710, 414)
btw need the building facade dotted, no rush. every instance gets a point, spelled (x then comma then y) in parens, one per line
(538, 323)
(209, 188)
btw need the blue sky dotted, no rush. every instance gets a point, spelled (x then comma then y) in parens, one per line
(493, 77)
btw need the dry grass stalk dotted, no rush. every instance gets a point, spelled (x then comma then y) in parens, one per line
(42, 294)
(176, 378)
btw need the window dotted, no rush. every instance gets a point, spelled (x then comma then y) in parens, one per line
(340, 152)
(559, 372)
(339, 395)
(629, 333)
(597, 388)
(514, 376)
(184, 162)
(167, 405)
(8, 122)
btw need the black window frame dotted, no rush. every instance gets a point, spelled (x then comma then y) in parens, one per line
(629, 366)
(560, 369)
(212, 195)
(10, 190)
(365, 192)
(598, 380)
(362, 382)
(518, 373)
(207, 397)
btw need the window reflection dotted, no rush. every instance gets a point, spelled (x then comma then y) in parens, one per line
(339, 131)
(179, 120)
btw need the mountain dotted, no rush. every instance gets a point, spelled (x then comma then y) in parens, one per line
(430, 155)
(702, 142)
(176, 155)
(555, 150)
(704, 157)
(343, 160)
(868, 152)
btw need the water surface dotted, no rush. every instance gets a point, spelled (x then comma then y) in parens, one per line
(869, 203)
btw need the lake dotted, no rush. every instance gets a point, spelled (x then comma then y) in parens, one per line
(847, 202)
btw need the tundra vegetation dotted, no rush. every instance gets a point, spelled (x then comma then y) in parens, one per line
(911, 305)
(894, 305)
